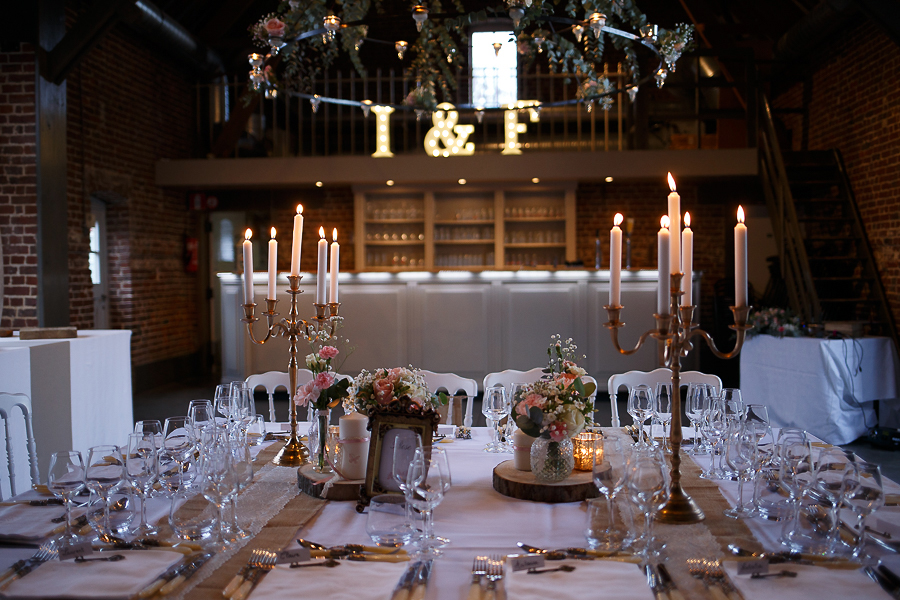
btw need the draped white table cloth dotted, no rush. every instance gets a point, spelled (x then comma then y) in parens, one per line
(826, 387)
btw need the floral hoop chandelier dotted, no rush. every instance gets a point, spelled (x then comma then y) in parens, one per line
(304, 39)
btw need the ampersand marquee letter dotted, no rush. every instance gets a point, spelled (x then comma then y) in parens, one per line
(442, 134)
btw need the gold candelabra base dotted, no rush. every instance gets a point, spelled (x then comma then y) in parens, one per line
(675, 331)
(321, 327)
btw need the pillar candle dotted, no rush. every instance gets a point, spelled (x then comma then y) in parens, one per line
(334, 267)
(273, 265)
(297, 241)
(740, 260)
(687, 262)
(354, 440)
(662, 264)
(615, 261)
(674, 228)
(248, 268)
(322, 267)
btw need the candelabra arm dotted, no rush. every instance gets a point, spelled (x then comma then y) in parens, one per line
(614, 332)
(740, 328)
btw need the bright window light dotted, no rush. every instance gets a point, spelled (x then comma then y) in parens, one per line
(493, 72)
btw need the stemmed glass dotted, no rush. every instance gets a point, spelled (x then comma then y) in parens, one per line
(864, 494)
(733, 404)
(223, 400)
(697, 405)
(103, 475)
(241, 404)
(178, 442)
(714, 427)
(647, 483)
(406, 442)
(662, 411)
(242, 466)
(609, 477)
(218, 482)
(829, 481)
(427, 481)
(757, 419)
(141, 467)
(640, 407)
(201, 413)
(741, 454)
(151, 426)
(495, 406)
(796, 473)
(65, 480)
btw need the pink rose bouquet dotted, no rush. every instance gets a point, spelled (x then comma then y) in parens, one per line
(325, 390)
(274, 27)
(401, 388)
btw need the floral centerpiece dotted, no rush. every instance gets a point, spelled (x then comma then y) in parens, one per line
(779, 322)
(323, 392)
(400, 390)
(555, 409)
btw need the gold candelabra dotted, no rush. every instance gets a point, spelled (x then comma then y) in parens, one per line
(675, 330)
(293, 454)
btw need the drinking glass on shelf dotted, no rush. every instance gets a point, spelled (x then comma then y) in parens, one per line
(647, 484)
(741, 454)
(65, 479)
(662, 411)
(427, 481)
(103, 475)
(495, 406)
(141, 467)
(218, 482)
(697, 404)
(640, 407)
(178, 443)
(864, 494)
(609, 477)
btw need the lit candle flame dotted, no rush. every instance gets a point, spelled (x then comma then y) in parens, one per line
(740, 214)
(273, 233)
(299, 209)
(334, 235)
(687, 219)
(248, 234)
(671, 182)
(664, 222)
(617, 220)
(322, 232)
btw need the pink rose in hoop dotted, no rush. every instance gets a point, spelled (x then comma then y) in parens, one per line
(275, 28)
(306, 393)
(384, 391)
(328, 352)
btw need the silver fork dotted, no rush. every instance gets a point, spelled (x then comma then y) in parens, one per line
(479, 570)
(243, 574)
(494, 574)
(21, 568)
(265, 563)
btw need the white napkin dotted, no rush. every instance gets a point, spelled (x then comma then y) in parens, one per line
(829, 584)
(97, 579)
(617, 580)
(26, 522)
(349, 581)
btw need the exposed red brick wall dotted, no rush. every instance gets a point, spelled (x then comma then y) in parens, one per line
(646, 202)
(855, 106)
(18, 188)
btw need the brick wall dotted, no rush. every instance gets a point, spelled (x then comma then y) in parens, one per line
(117, 131)
(855, 106)
(18, 191)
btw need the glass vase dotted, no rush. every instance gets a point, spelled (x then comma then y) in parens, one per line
(318, 444)
(551, 461)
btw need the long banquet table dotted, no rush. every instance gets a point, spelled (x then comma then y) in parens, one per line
(479, 520)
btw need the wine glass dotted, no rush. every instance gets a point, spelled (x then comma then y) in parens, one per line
(609, 477)
(647, 483)
(223, 400)
(796, 473)
(405, 444)
(640, 407)
(714, 426)
(662, 410)
(864, 494)
(218, 482)
(103, 475)
(697, 405)
(242, 405)
(242, 465)
(427, 481)
(141, 467)
(65, 479)
(152, 426)
(202, 413)
(741, 453)
(178, 442)
(757, 419)
(733, 403)
(494, 407)
(829, 482)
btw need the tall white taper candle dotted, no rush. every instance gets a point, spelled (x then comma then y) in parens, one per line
(322, 267)
(615, 261)
(740, 260)
(273, 265)
(335, 268)
(663, 301)
(687, 262)
(297, 242)
(674, 228)
(248, 268)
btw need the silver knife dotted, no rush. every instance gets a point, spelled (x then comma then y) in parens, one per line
(882, 581)
(653, 582)
(421, 582)
(404, 586)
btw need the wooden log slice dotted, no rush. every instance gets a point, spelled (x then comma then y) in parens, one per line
(312, 484)
(514, 483)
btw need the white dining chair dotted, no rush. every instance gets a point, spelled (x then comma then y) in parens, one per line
(273, 380)
(17, 443)
(651, 378)
(509, 376)
(453, 383)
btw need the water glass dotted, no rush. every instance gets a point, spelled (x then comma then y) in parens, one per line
(698, 398)
(104, 474)
(388, 522)
(662, 411)
(403, 446)
(65, 479)
(864, 494)
(141, 467)
(741, 454)
(609, 477)
(495, 406)
(647, 485)
(640, 407)
(427, 481)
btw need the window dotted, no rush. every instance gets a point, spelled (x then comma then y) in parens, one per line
(493, 72)
(226, 241)
(94, 256)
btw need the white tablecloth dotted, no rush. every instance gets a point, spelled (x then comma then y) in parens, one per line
(824, 386)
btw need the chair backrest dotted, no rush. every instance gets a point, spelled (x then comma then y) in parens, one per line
(651, 378)
(509, 376)
(18, 445)
(275, 379)
(453, 383)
